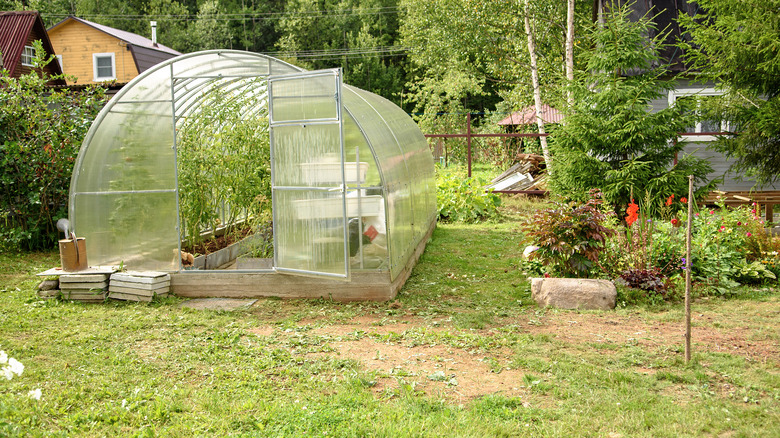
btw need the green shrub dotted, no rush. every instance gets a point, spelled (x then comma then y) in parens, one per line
(570, 237)
(463, 199)
(41, 130)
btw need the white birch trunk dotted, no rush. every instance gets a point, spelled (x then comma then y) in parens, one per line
(529, 30)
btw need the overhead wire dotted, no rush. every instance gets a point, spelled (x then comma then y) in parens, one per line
(382, 10)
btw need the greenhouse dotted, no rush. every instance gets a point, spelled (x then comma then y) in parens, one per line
(311, 187)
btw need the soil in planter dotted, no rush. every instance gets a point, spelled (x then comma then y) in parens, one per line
(216, 243)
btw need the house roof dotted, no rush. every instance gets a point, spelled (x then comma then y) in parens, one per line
(128, 37)
(527, 116)
(15, 28)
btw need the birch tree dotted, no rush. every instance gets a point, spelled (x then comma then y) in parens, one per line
(530, 31)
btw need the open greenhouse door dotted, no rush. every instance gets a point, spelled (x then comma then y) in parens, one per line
(307, 174)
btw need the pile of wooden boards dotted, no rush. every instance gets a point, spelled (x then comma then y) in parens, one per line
(86, 288)
(526, 174)
(139, 285)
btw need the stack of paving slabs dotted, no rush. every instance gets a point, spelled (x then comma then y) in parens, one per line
(139, 285)
(87, 288)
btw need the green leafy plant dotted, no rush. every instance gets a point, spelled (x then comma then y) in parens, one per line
(464, 199)
(41, 130)
(570, 236)
(224, 166)
(751, 273)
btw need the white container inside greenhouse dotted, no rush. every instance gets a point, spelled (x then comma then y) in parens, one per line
(331, 172)
(331, 208)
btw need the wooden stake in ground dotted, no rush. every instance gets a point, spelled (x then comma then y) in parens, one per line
(688, 272)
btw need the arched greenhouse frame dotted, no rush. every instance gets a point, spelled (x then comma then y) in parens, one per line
(352, 186)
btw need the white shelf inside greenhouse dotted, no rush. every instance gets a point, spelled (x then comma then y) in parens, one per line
(331, 172)
(331, 208)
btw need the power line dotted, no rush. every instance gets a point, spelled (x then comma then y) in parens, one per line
(385, 10)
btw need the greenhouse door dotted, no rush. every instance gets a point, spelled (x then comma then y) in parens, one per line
(307, 174)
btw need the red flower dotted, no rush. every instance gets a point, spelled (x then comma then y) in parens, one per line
(675, 222)
(684, 200)
(669, 200)
(633, 213)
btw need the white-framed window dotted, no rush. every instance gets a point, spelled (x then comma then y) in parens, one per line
(702, 125)
(104, 66)
(28, 55)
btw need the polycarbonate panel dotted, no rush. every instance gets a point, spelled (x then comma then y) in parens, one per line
(418, 161)
(126, 168)
(308, 175)
(357, 150)
(307, 156)
(395, 176)
(310, 98)
(137, 230)
(309, 231)
(132, 151)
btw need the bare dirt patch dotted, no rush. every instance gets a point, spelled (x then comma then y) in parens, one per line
(438, 370)
(620, 330)
(462, 375)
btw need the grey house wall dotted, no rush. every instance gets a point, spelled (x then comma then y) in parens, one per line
(720, 164)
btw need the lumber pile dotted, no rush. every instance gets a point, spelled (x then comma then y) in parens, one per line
(139, 285)
(526, 174)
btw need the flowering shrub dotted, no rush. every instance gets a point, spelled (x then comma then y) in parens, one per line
(570, 236)
(729, 247)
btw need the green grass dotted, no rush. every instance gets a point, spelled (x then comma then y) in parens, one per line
(125, 369)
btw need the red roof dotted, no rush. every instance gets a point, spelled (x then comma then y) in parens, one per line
(527, 116)
(15, 28)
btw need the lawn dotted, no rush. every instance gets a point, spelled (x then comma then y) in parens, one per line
(463, 351)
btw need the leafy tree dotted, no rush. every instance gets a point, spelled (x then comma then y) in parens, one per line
(611, 140)
(357, 35)
(475, 53)
(41, 131)
(736, 45)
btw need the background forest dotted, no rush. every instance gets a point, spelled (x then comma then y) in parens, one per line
(428, 56)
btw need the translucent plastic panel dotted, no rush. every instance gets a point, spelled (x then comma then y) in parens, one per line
(311, 98)
(131, 150)
(418, 160)
(307, 156)
(309, 231)
(395, 175)
(137, 229)
(357, 150)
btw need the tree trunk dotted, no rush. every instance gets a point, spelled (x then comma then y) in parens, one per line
(535, 82)
(569, 50)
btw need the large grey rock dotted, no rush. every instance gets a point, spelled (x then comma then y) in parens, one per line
(574, 293)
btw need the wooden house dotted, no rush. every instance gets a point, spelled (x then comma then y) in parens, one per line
(18, 30)
(734, 188)
(93, 53)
